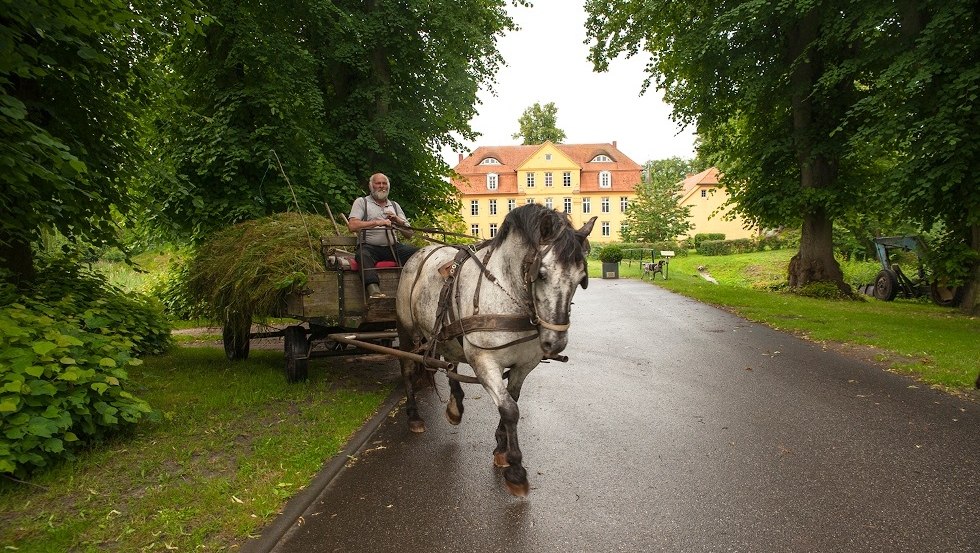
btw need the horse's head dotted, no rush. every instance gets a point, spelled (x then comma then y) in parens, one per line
(557, 267)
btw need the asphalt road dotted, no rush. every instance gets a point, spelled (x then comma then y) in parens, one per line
(675, 426)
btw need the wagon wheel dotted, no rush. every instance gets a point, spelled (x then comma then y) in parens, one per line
(886, 285)
(236, 339)
(945, 295)
(297, 353)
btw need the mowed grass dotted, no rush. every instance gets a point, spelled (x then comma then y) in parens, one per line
(939, 345)
(235, 442)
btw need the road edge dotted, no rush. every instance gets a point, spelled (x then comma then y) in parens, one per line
(298, 504)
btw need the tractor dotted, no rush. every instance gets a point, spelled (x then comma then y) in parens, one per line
(892, 280)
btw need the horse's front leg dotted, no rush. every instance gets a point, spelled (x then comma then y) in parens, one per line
(454, 409)
(508, 452)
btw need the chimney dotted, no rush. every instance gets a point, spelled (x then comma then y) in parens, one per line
(614, 144)
(460, 158)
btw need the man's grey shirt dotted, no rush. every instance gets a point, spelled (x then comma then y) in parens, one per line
(366, 209)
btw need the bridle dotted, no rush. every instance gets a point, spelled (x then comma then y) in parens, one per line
(530, 269)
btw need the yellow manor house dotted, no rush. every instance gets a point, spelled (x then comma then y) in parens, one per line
(580, 179)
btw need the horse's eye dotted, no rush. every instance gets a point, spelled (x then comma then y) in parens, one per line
(541, 275)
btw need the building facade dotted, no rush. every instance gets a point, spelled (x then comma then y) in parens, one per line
(705, 197)
(579, 179)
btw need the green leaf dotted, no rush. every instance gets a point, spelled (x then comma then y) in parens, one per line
(87, 53)
(107, 362)
(34, 370)
(9, 404)
(67, 361)
(40, 426)
(43, 347)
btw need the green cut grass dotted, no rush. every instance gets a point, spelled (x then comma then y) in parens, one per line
(938, 345)
(235, 442)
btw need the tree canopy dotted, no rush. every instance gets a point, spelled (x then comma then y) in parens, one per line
(71, 92)
(787, 97)
(656, 214)
(539, 124)
(336, 90)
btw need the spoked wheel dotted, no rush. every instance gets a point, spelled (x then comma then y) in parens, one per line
(945, 295)
(234, 335)
(297, 348)
(886, 285)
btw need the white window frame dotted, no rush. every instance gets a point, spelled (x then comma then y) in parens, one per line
(605, 179)
(704, 193)
(604, 204)
(549, 203)
(566, 178)
(475, 229)
(529, 180)
(493, 230)
(490, 161)
(549, 179)
(567, 204)
(605, 228)
(586, 205)
(493, 207)
(493, 181)
(601, 158)
(511, 204)
(474, 207)
(529, 201)
(624, 202)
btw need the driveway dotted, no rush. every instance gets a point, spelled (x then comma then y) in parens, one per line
(675, 426)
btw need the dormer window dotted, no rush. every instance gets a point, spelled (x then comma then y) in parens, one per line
(605, 179)
(490, 161)
(492, 181)
(601, 158)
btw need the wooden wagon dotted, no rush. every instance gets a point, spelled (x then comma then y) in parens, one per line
(335, 316)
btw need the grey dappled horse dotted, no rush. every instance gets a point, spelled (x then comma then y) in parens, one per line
(500, 308)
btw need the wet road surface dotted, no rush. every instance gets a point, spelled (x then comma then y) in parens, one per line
(675, 426)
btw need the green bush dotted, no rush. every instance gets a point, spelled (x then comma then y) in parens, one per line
(706, 236)
(727, 247)
(64, 349)
(611, 253)
(822, 290)
(174, 293)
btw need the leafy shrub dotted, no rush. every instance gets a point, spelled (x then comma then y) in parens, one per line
(174, 293)
(770, 242)
(64, 349)
(641, 250)
(727, 247)
(705, 236)
(611, 253)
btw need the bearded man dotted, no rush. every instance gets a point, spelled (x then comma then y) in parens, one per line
(382, 220)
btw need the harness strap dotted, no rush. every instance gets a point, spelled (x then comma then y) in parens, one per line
(486, 323)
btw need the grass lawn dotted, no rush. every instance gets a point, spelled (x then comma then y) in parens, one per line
(939, 345)
(235, 442)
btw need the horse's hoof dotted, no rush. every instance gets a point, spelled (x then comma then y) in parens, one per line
(518, 490)
(416, 426)
(453, 418)
(500, 459)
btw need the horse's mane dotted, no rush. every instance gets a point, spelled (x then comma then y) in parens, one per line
(538, 225)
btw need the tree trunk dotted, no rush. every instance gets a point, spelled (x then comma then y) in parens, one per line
(815, 261)
(17, 257)
(970, 304)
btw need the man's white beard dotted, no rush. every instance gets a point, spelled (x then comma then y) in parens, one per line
(379, 195)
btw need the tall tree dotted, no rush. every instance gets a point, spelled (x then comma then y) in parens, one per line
(539, 124)
(768, 88)
(923, 81)
(656, 214)
(339, 89)
(72, 87)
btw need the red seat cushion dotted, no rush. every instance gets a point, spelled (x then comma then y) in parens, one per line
(354, 265)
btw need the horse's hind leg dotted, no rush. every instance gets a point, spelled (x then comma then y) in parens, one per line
(454, 409)
(411, 379)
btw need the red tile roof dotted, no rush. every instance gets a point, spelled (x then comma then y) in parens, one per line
(626, 171)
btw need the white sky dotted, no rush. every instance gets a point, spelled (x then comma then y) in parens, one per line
(547, 62)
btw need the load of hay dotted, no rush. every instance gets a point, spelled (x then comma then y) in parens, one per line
(249, 268)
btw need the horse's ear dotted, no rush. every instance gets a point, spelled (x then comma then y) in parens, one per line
(586, 229)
